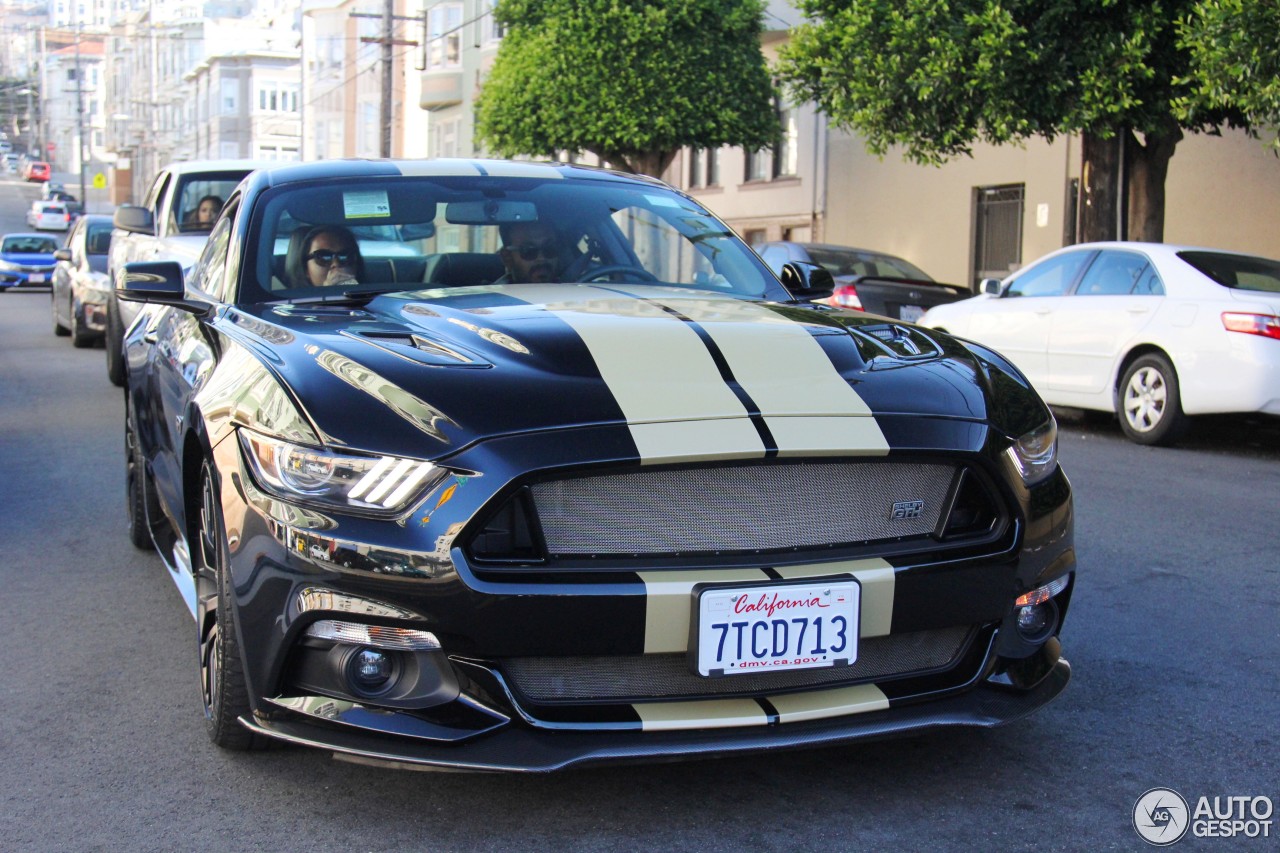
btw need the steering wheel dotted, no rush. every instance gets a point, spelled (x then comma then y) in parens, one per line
(613, 269)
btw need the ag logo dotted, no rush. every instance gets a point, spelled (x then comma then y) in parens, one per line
(1161, 816)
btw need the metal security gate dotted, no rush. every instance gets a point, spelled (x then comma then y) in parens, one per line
(997, 247)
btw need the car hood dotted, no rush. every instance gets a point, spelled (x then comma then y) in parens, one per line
(28, 258)
(468, 364)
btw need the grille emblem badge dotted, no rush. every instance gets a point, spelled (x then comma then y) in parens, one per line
(907, 509)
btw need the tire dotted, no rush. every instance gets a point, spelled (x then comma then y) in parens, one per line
(222, 685)
(135, 486)
(81, 338)
(1149, 403)
(58, 329)
(114, 344)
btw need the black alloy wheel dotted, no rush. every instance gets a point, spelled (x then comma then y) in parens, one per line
(135, 473)
(81, 337)
(114, 343)
(222, 684)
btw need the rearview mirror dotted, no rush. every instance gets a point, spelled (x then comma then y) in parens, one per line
(806, 281)
(990, 286)
(489, 212)
(135, 219)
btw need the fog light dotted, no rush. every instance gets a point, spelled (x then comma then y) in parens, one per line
(371, 671)
(1032, 618)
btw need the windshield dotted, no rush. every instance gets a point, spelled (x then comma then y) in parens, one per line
(29, 245)
(413, 233)
(1239, 271)
(851, 262)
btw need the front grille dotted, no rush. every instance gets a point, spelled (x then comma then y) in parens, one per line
(552, 680)
(741, 508)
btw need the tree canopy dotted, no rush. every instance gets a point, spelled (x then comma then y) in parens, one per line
(632, 81)
(938, 76)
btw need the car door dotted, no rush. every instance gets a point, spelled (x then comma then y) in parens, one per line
(1117, 296)
(1017, 323)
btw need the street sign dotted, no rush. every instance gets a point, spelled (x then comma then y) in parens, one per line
(99, 181)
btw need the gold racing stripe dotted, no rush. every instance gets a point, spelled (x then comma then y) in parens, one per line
(820, 415)
(875, 616)
(668, 615)
(820, 704)
(705, 714)
(677, 405)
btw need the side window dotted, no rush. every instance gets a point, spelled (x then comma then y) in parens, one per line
(1116, 274)
(207, 277)
(1051, 278)
(1149, 283)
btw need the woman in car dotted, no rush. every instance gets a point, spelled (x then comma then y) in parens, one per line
(323, 256)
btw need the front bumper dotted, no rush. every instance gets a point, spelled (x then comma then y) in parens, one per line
(524, 749)
(26, 279)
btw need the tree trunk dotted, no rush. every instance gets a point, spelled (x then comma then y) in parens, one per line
(1148, 166)
(1099, 188)
(651, 163)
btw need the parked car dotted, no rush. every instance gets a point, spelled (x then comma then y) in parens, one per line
(49, 216)
(1154, 332)
(10, 161)
(164, 227)
(658, 506)
(80, 284)
(50, 190)
(26, 260)
(36, 170)
(868, 281)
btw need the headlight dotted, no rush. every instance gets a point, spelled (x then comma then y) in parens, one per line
(302, 474)
(9, 266)
(1035, 453)
(98, 282)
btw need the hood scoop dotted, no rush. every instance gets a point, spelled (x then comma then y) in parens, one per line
(421, 349)
(901, 342)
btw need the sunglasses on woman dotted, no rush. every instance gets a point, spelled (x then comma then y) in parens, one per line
(326, 258)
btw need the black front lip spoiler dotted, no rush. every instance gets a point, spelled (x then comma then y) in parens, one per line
(519, 749)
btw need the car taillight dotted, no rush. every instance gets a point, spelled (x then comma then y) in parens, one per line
(1266, 325)
(846, 296)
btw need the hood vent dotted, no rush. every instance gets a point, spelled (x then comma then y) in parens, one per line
(420, 349)
(902, 341)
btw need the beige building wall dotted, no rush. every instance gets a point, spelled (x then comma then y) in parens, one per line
(1222, 192)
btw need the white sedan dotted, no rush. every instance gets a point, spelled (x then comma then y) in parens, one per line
(1152, 331)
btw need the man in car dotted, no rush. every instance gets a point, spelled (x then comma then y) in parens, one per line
(532, 252)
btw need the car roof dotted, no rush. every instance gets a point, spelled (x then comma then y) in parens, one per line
(187, 167)
(279, 173)
(1164, 251)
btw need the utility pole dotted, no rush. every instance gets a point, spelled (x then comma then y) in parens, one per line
(388, 41)
(80, 112)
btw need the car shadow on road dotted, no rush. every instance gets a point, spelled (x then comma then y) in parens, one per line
(1235, 434)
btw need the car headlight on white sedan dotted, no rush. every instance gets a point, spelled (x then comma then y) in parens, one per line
(1035, 454)
(310, 475)
(9, 266)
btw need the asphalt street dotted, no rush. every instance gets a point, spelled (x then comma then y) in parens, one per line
(1172, 634)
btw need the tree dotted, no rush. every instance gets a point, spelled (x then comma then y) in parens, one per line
(1233, 46)
(938, 76)
(632, 81)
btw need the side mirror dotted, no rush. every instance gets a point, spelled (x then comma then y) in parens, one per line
(62, 254)
(806, 281)
(159, 283)
(136, 219)
(989, 286)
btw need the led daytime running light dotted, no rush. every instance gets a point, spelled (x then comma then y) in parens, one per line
(1042, 594)
(374, 636)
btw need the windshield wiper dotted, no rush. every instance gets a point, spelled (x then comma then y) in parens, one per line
(346, 297)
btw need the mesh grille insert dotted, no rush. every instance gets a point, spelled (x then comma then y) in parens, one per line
(756, 507)
(548, 680)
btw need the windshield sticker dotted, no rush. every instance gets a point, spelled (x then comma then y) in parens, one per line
(667, 201)
(366, 205)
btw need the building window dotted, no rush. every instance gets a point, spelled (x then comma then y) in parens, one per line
(229, 91)
(445, 142)
(278, 98)
(759, 166)
(786, 156)
(494, 31)
(444, 36)
(704, 167)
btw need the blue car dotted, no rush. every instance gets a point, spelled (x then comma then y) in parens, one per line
(26, 260)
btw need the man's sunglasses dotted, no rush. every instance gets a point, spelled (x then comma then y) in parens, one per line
(326, 259)
(531, 251)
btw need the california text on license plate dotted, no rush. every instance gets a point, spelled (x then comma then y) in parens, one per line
(777, 627)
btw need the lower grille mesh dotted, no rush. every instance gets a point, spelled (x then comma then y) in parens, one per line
(741, 508)
(548, 680)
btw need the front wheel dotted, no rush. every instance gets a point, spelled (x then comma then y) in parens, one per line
(222, 682)
(81, 337)
(1150, 406)
(135, 472)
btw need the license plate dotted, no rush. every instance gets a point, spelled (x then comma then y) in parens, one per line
(36, 278)
(910, 313)
(777, 627)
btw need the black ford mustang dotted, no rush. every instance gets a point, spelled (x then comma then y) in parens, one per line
(659, 506)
